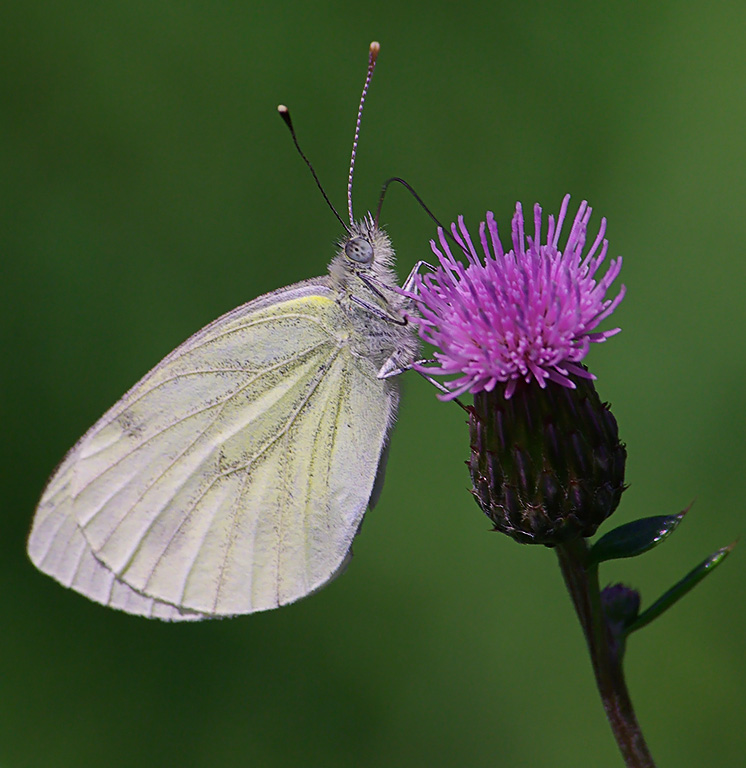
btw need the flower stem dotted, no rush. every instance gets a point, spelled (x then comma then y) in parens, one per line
(582, 584)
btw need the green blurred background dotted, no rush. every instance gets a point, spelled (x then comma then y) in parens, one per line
(148, 186)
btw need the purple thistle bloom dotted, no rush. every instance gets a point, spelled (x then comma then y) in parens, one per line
(526, 314)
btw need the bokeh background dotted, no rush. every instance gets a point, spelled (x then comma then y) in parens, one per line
(148, 186)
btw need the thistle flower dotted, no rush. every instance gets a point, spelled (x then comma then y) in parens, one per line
(528, 314)
(547, 466)
(546, 462)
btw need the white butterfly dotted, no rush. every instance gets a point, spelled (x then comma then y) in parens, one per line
(234, 476)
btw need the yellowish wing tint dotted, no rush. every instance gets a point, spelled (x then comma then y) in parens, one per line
(233, 477)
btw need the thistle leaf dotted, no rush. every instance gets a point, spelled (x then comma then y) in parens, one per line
(633, 538)
(678, 591)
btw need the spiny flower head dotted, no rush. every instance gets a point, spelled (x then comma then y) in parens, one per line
(526, 314)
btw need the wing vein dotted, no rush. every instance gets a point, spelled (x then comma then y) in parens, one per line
(257, 322)
(51, 539)
(282, 513)
(231, 539)
(344, 380)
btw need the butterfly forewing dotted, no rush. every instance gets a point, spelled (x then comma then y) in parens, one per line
(233, 477)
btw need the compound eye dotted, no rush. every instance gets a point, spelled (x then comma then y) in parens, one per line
(359, 250)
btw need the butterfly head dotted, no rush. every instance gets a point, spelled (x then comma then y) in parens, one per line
(366, 247)
(365, 250)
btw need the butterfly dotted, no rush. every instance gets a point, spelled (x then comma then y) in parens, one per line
(234, 476)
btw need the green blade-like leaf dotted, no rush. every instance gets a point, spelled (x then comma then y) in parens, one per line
(633, 538)
(679, 590)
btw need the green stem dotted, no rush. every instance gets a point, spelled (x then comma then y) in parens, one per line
(582, 583)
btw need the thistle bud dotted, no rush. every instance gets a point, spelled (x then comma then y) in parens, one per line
(546, 465)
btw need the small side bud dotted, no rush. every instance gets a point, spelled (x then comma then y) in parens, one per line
(621, 605)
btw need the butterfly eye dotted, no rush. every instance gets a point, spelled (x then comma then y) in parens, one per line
(359, 250)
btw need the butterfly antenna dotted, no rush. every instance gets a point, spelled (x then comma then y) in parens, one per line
(410, 189)
(285, 115)
(372, 56)
(424, 207)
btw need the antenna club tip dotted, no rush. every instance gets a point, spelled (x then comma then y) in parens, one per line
(374, 49)
(284, 113)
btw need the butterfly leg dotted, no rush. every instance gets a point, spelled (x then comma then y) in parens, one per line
(392, 367)
(409, 282)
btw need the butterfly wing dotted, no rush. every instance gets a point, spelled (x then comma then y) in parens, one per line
(58, 547)
(233, 477)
